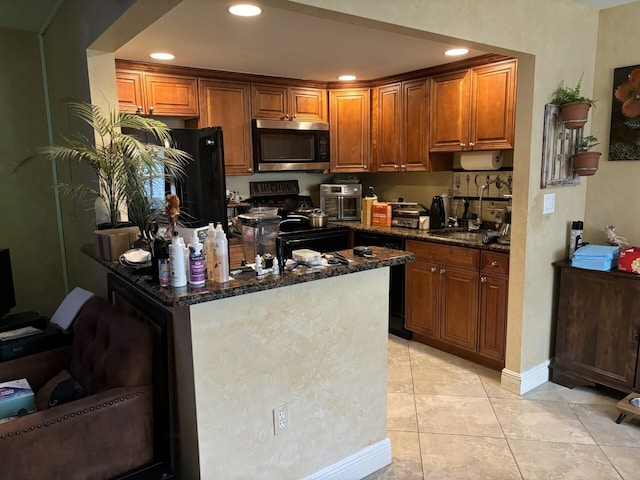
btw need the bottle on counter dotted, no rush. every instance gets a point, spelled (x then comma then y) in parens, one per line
(367, 206)
(222, 255)
(177, 262)
(196, 262)
(210, 246)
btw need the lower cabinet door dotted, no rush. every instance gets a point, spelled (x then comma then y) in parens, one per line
(421, 298)
(458, 306)
(493, 316)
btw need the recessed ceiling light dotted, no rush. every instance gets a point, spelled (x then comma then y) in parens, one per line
(245, 10)
(454, 52)
(162, 56)
(346, 78)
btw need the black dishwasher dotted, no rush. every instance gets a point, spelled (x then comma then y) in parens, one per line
(396, 278)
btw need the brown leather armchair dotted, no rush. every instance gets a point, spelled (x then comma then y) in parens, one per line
(100, 436)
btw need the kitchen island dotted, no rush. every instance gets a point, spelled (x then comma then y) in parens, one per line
(313, 339)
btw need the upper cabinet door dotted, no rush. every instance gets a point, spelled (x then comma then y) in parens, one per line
(269, 102)
(449, 114)
(493, 103)
(130, 94)
(387, 128)
(415, 140)
(274, 102)
(350, 130)
(308, 104)
(228, 104)
(171, 95)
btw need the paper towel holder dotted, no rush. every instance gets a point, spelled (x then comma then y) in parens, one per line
(482, 160)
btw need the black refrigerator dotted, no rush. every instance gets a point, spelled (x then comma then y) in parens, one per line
(203, 191)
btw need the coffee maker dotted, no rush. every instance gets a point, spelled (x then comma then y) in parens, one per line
(437, 215)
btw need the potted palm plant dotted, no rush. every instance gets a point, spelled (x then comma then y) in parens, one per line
(123, 164)
(585, 162)
(573, 106)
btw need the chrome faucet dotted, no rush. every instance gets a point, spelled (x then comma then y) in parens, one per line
(477, 224)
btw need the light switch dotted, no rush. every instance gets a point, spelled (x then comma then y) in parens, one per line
(549, 203)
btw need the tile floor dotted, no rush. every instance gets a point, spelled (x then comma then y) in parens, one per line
(450, 419)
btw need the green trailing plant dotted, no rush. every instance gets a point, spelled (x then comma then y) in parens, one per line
(585, 144)
(565, 94)
(123, 164)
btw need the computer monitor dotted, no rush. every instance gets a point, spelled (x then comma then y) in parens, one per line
(7, 293)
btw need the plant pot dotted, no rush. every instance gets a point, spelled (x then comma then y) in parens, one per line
(574, 114)
(586, 163)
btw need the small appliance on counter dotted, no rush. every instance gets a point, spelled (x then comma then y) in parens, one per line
(407, 214)
(259, 233)
(437, 215)
(341, 201)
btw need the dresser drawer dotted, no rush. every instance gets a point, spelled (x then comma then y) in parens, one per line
(493, 262)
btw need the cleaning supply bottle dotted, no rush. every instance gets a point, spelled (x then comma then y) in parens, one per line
(177, 263)
(222, 255)
(210, 245)
(575, 241)
(196, 262)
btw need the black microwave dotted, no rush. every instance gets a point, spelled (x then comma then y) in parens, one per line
(282, 145)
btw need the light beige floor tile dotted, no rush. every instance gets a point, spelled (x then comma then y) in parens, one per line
(626, 460)
(540, 420)
(457, 415)
(591, 395)
(401, 412)
(548, 391)
(562, 461)
(600, 422)
(398, 351)
(425, 355)
(399, 380)
(447, 380)
(454, 457)
(406, 461)
(491, 382)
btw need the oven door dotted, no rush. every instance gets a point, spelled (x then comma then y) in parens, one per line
(319, 239)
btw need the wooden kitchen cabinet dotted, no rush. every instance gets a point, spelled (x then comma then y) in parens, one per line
(456, 300)
(228, 104)
(288, 103)
(494, 296)
(442, 294)
(473, 109)
(350, 130)
(598, 325)
(400, 132)
(157, 94)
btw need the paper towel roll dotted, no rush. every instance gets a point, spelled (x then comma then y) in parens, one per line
(490, 160)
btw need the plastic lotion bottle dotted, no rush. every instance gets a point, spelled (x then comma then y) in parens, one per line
(196, 262)
(210, 245)
(222, 256)
(177, 263)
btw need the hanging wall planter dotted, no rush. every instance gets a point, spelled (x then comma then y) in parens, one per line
(586, 163)
(574, 114)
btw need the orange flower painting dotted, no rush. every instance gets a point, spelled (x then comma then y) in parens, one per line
(624, 141)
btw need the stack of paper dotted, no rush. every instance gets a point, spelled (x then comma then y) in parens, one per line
(596, 257)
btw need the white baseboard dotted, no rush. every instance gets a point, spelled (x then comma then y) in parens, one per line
(358, 465)
(521, 383)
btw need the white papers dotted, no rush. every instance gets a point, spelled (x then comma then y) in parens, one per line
(70, 306)
(19, 333)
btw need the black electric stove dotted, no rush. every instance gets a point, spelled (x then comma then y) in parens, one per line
(295, 231)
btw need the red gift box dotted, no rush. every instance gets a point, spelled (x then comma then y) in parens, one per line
(629, 260)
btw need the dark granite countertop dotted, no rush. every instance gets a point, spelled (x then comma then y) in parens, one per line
(248, 282)
(437, 236)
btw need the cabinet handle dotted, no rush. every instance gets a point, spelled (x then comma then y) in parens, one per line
(471, 145)
(635, 335)
(403, 167)
(462, 145)
(483, 279)
(286, 116)
(433, 269)
(442, 271)
(151, 110)
(494, 263)
(250, 170)
(365, 167)
(293, 117)
(395, 167)
(139, 110)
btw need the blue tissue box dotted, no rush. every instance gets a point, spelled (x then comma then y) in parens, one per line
(14, 397)
(596, 257)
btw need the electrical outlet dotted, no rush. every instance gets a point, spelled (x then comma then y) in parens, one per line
(549, 203)
(280, 419)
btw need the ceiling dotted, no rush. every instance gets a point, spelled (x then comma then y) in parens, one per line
(279, 42)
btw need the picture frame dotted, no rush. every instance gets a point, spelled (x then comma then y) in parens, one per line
(624, 136)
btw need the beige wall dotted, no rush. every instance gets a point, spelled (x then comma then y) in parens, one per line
(319, 347)
(550, 49)
(30, 228)
(612, 194)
